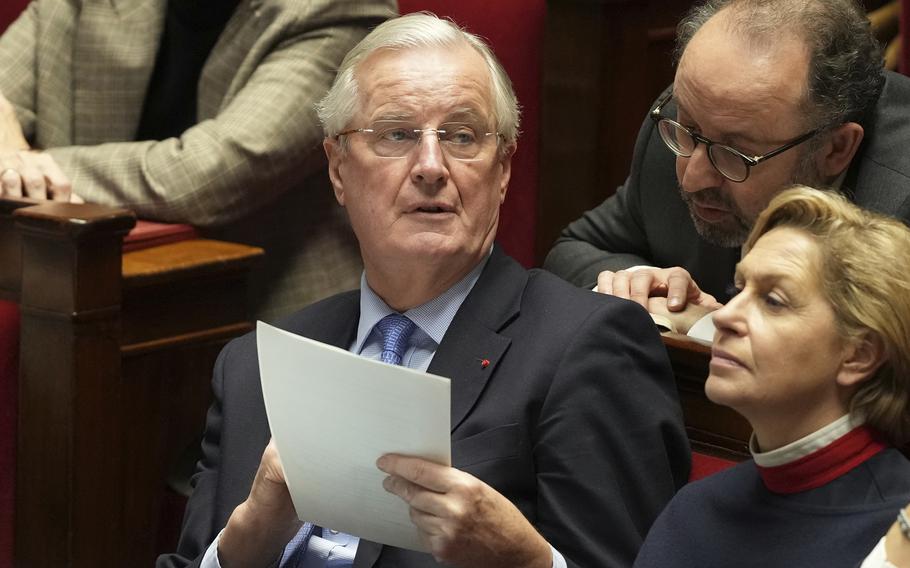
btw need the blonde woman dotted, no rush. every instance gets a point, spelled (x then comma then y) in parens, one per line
(814, 351)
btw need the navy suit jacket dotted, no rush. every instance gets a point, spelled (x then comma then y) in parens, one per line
(646, 222)
(575, 419)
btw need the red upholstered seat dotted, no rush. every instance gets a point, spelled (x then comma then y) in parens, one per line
(704, 465)
(515, 30)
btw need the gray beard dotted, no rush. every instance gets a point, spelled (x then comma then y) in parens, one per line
(735, 233)
(730, 235)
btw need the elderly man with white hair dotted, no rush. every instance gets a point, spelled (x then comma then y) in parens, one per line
(567, 438)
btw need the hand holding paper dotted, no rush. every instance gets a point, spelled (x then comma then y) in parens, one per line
(261, 526)
(462, 520)
(332, 415)
(339, 421)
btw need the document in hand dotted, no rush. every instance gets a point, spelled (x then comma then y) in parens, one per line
(332, 414)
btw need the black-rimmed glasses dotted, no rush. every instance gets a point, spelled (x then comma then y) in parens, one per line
(393, 139)
(730, 162)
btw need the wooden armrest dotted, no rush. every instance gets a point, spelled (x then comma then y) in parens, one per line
(192, 258)
(10, 248)
(75, 220)
(116, 351)
(41, 227)
(184, 292)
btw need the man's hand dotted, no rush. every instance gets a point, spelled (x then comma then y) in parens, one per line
(675, 284)
(27, 173)
(464, 521)
(24, 173)
(260, 527)
(11, 136)
(682, 320)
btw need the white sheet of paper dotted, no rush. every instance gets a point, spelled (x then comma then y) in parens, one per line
(332, 415)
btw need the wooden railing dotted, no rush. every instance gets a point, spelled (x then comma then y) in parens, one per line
(116, 353)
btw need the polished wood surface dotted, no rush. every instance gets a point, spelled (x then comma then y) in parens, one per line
(115, 362)
(604, 63)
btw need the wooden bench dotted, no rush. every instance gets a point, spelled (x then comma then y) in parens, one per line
(115, 360)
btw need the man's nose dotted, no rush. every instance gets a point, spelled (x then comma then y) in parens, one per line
(698, 172)
(430, 164)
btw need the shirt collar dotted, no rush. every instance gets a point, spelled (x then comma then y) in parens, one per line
(804, 446)
(819, 458)
(433, 317)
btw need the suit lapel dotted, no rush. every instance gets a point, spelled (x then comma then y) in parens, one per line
(114, 55)
(333, 322)
(469, 360)
(472, 346)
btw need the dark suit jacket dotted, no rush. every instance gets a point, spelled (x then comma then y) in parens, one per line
(575, 419)
(646, 222)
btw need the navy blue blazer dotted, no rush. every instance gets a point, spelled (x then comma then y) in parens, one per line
(575, 419)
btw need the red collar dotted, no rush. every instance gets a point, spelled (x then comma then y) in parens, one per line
(825, 464)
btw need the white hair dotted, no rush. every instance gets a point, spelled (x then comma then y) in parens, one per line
(423, 29)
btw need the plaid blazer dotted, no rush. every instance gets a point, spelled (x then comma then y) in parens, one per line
(251, 170)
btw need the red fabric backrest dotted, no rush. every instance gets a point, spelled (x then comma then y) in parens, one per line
(704, 465)
(9, 9)
(514, 28)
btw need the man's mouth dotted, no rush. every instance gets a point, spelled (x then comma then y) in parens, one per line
(709, 212)
(432, 208)
(716, 217)
(709, 204)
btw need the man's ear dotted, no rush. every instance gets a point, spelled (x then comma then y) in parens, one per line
(863, 357)
(335, 154)
(505, 162)
(842, 144)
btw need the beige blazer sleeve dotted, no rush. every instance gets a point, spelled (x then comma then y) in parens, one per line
(258, 134)
(18, 67)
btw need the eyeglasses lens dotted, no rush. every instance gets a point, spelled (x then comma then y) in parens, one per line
(676, 138)
(729, 164)
(681, 142)
(395, 140)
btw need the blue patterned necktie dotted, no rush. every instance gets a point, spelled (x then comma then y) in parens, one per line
(396, 330)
